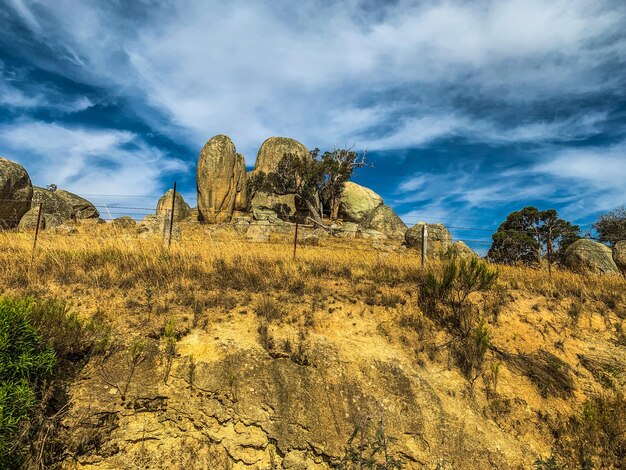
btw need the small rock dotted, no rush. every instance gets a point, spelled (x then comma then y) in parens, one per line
(124, 222)
(258, 233)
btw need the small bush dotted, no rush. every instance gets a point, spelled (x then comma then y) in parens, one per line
(269, 309)
(25, 362)
(595, 437)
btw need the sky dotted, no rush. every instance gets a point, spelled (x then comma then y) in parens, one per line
(468, 110)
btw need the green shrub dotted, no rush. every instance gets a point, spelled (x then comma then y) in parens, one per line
(25, 361)
(444, 297)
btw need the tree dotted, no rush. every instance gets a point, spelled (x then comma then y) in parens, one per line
(302, 176)
(611, 227)
(309, 177)
(528, 235)
(338, 167)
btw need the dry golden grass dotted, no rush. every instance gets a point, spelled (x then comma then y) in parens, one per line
(359, 295)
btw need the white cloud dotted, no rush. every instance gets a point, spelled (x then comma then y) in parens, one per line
(86, 161)
(325, 73)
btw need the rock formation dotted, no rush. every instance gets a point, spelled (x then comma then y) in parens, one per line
(384, 219)
(16, 193)
(181, 208)
(53, 203)
(589, 256)
(357, 202)
(619, 255)
(81, 208)
(221, 180)
(463, 251)
(438, 239)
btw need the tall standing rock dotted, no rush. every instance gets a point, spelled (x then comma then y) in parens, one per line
(181, 208)
(241, 200)
(221, 180)
(16, 193)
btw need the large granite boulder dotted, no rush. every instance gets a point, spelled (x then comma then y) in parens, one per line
(274, 149)
(221, 180)
(619, 255)
(81, 207)
(181, 208)
(16, 193)
(53, 203)
(438, 238)
(589, 256)
(384, 219)
(357, 202)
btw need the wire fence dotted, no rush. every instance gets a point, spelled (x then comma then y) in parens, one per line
(478, 236)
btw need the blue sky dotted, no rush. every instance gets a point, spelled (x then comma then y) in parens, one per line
(468, 109)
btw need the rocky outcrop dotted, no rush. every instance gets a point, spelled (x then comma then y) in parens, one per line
(81, 208)
(221, 180)
(16, 193)
(438, 239)
(589, 256)
(53, 203)
(619, 255)
(357, 202)
(181, 208)
(384, 219)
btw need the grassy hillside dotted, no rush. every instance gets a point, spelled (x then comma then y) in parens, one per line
(220, 353)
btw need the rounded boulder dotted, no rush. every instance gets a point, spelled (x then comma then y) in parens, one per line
(589, 256)
(438, 238)
(357, 202)
(384, 219)
(81, 207)
(181, 208)
(16, 193)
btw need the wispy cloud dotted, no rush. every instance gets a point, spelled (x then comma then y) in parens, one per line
(397, 75)
(91, 161)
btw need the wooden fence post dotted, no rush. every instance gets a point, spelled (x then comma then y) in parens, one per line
(424, 244)
(32, 258)
(295, 240)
